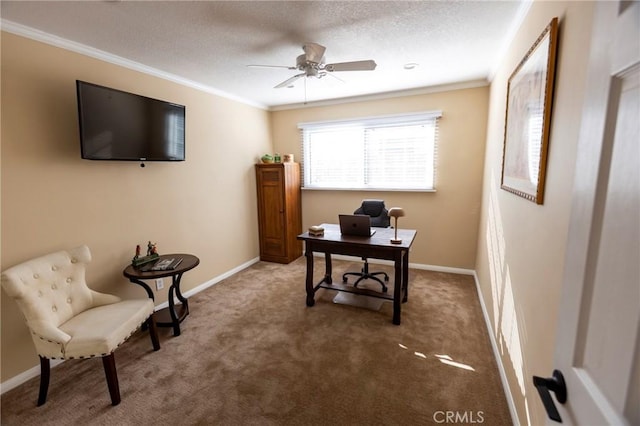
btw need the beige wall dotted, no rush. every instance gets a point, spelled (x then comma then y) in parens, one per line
(446, 220)
(521, 245)
(52, 199)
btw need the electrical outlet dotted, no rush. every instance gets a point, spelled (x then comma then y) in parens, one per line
(159, 284)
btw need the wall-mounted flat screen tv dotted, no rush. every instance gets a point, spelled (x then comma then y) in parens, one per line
(116, 125)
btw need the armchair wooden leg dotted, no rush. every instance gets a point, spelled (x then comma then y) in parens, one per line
(109, 363)
(45, 374)
(153, 332)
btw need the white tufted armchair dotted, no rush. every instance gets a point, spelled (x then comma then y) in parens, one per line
(69, 320)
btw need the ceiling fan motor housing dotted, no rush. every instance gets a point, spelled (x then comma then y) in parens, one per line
(310, 68)
(312, 64)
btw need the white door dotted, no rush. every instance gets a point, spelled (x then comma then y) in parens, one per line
(598, 342)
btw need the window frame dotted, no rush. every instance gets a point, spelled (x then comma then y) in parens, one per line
(408, 119)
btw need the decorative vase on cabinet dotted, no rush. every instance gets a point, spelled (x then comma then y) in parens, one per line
(279, 211)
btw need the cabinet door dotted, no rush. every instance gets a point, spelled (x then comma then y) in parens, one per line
(272, 212)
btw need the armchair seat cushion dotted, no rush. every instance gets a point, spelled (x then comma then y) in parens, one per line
(99, 331)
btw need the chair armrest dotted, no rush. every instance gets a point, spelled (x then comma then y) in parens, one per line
(100, 299)
(49, 332)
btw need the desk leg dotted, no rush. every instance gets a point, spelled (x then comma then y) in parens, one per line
(397, 289)
(328, 269)
(309, 280)
(405, 276)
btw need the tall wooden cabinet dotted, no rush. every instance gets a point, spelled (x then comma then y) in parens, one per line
(279, 211)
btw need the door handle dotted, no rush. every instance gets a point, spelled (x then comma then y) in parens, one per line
(554, 384)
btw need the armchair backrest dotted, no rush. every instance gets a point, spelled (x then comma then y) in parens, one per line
(50, 289)
(376, 210)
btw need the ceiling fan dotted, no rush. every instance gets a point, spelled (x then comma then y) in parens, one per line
(312, 64)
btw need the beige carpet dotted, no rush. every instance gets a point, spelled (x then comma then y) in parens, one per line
(253, 353)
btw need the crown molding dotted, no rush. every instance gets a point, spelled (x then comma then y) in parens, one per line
(386, 95)
(50, 39)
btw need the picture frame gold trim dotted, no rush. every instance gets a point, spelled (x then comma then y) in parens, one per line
(528, 118)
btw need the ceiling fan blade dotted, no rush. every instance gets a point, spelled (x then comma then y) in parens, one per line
(288, 81)
(271, 66)
(314, 52)
(368, 65)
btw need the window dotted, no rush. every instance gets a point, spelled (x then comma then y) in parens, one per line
(378, 153)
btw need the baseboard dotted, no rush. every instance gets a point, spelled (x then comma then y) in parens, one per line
(25, 376)
(422, 266)
(35, 371)
(436, 268)
(496, 354)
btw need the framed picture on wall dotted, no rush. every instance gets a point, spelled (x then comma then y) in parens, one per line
(528, 116)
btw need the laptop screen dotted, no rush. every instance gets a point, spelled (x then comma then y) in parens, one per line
(355, 225)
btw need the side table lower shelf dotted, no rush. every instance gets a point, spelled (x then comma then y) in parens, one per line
(165, 319)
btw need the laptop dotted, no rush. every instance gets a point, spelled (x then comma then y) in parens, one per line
(358, 225)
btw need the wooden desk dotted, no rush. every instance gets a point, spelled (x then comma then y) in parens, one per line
(173, 315)
(377, 247)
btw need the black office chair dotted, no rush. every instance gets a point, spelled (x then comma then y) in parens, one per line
(378, 213)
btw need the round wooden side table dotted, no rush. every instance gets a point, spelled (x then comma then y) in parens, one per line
(174, 314)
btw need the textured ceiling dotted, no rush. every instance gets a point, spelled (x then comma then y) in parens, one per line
(210, 43)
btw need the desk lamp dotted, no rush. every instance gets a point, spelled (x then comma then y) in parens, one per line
(396, 212)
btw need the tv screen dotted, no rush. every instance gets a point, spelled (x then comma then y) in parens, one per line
(116, 125)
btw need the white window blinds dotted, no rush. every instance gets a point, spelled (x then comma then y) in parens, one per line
(377, 153)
